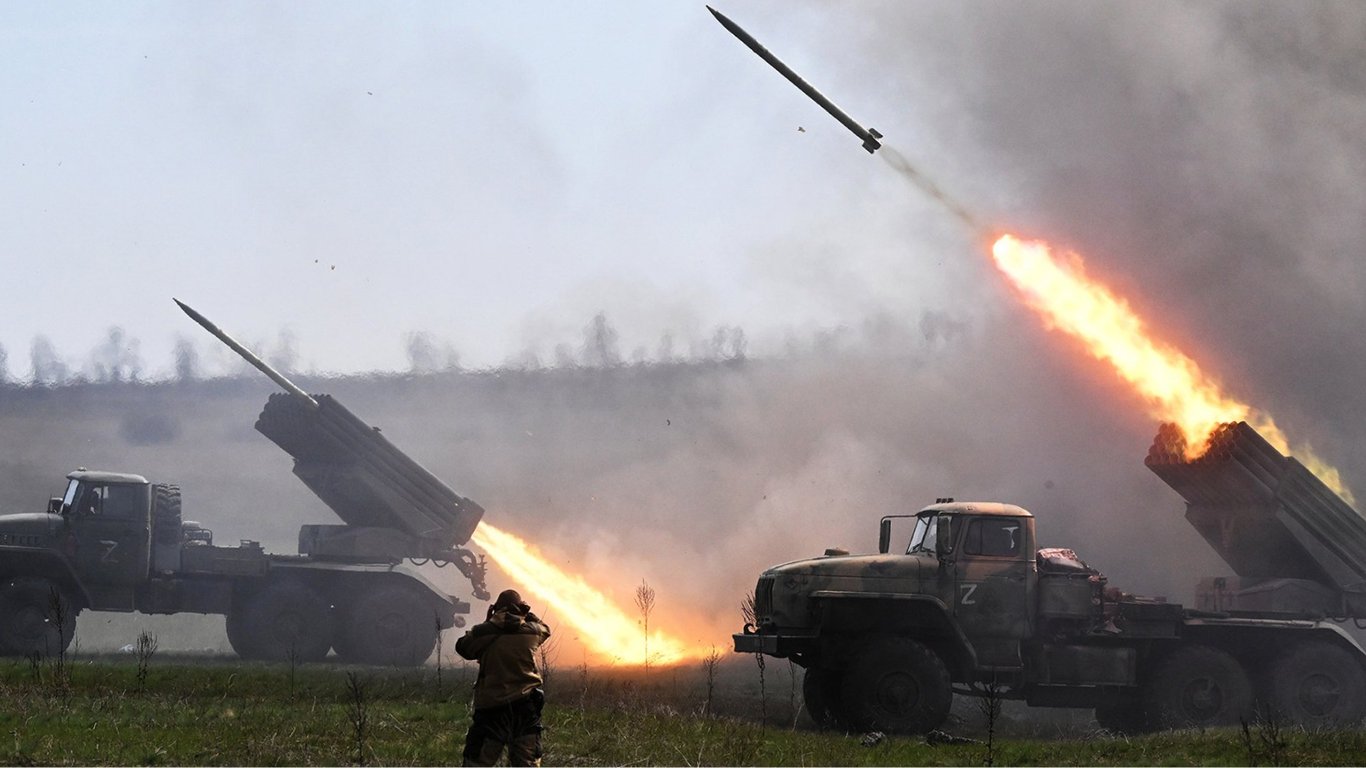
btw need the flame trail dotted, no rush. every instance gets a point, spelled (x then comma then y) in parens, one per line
(604, 628)
(1173, 385)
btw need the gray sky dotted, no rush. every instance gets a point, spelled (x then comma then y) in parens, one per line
(490, 174)
(495, 175)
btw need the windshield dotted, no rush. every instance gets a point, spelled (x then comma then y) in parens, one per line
(923, 539)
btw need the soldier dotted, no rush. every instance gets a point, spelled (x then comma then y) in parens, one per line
(507, 694)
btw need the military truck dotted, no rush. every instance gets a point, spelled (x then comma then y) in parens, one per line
(117, 542)
(971, 606)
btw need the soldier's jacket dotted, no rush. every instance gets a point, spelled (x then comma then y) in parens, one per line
(505, 648)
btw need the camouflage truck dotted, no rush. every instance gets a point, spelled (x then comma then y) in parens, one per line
(116, 542)
(971, 606)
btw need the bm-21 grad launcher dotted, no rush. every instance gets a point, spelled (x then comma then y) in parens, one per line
(1298, 549)
(393, 508)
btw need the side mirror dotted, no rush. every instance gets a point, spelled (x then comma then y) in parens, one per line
(54, 505)
(884, 536)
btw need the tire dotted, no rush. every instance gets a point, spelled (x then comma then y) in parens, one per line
(1197, 686)
(1318, 685)
(1123, 714)
(286, 621)
(389, 625)
(37, 618)
(820, 696)
(896, 685)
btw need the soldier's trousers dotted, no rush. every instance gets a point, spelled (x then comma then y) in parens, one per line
(515, 726)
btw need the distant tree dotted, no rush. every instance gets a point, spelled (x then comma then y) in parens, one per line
(564, 357)
(4, 365)
(48, 368)
(728, 343)
(666, 348)
(426, 356)
(600, 343)
(186, 360)
(285, 357)
(421, 352)
(116, 358)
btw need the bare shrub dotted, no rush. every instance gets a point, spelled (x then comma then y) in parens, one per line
(645, 601)
(145, 648)
(358, 711)
(709, 664)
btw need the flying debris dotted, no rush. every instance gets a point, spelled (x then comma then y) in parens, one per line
(869, 136)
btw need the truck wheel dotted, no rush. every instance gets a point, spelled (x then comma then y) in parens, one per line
(1123, 714)
(286, 621)
(820, 694)
(1197, 686)
(38, 618)
(1316, 685)
(388, 625)
(896, 685)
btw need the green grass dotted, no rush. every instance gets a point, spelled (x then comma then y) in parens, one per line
(250, 714)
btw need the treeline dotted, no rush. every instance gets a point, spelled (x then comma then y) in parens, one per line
(117, 358)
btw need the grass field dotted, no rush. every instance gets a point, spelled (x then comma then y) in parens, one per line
(182, 711)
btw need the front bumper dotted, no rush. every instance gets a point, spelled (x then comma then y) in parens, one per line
(779, 644)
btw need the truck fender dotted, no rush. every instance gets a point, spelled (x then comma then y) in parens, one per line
(923, 617)
(16, 562)
(1233, 634)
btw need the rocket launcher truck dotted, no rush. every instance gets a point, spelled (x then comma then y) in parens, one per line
(116, 542)
(970, 606)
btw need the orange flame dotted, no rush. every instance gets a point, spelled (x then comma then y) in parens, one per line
(604, 627)
(1174, 387)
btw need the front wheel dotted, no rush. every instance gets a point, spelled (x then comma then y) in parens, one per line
(821, 695)
(36, 617)
(897, 685)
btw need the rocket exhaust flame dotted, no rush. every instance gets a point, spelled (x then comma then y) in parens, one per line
(1174, 387)
(603, 627)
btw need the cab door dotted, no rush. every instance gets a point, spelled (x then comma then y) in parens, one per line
(993, 569)
(109, 524)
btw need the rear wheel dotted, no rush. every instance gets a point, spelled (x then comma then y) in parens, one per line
(1197, 686)
(286, 621)
(388, 625)
(37, 618)
(897, 685)
(1318, 685)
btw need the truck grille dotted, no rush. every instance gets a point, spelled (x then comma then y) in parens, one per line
(763, 599)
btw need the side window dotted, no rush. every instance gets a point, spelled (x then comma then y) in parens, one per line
(994, 537)
(115, 502)
(122, 501)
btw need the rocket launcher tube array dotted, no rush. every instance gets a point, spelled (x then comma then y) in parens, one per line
(358, 473)
(1264, 513)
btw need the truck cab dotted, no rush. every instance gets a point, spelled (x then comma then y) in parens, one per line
(108, 526)
(954, 603)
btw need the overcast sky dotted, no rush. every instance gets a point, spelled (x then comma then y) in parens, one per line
(492, 175)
